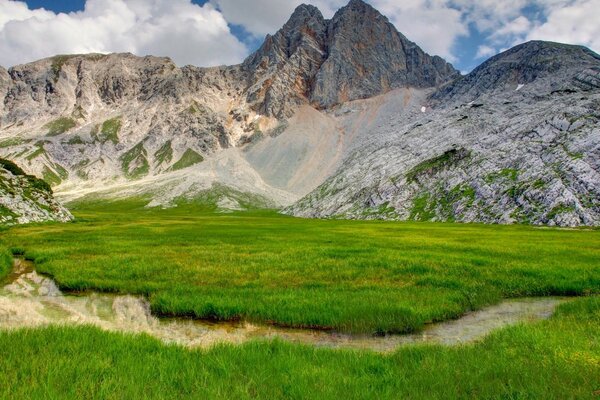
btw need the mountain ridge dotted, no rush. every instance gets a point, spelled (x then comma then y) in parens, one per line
(339, 112)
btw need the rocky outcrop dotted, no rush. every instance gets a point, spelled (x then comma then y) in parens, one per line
(367, 56)
(111, 119)
(282, 71)
(550, 67)
(25, 198)
(355, 55)
(517, 140)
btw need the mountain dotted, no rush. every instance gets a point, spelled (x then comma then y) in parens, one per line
(25, 198)
(516, 140)
(143, 126)
(355, 55)
(330, 118)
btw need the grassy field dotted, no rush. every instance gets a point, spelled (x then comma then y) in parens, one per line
(554, 359)
(350, 276)
(6, 262)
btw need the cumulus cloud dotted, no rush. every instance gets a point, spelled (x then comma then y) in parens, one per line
(576, 23)
(201, 35)
(484, 51)
(432, 24)
(506, 23)
(188, 33)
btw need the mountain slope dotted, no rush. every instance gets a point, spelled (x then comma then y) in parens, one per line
(25, 198)
(345, 114)
(100, 122)
(517, 140)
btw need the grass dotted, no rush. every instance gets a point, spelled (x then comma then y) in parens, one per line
(189, 158)
(10, 142)
(109, 132)
(349, 276)
(554, 359)
(5, 261)
(60, 126)
(436, 164)
(164, 154)
(134, 163)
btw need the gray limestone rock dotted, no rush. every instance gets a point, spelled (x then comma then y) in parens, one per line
(25, 198)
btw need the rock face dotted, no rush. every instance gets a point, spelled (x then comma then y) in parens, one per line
(517, 140)
(85, 121)
(546, 65)
(367, 56)
(25, 198)
(345, 115)
(356, 55)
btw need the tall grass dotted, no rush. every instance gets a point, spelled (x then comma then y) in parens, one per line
(344, 275)
(6, 261)
(554, 359)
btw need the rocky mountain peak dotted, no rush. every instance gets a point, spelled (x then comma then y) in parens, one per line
(357, 7)
(546, 66)
(305, 12)
(357, 54)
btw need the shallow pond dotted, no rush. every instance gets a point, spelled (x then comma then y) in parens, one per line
(31, 300)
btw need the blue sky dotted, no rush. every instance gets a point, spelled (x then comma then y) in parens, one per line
(212, 32)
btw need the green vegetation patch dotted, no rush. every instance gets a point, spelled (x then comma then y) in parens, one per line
(350, 276)
(35, 182)
(11, 167)
(189, 158)
(10, 142)
(164, 155)
(442, 204)
(558, 210)
(39, 151)
(437, 164)
(509, 174)
(60, 126)
(134, 163)
(554, 359)
(75, 140)
(6, 258)
(50, 176)
(109, 132)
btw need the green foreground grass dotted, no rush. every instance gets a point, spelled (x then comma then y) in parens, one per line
(554, 359)
(350, 276)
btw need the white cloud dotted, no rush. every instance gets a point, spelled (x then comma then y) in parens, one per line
(506, 23)
(200, 35)
(577, 23)
(485, 51)
(188, 33)
(432, 24)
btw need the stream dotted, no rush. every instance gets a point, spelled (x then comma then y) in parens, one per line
(30, 300)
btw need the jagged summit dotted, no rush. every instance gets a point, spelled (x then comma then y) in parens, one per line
(357, 54)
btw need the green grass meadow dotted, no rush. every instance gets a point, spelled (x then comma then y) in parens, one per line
(554, 359)
(351, 276)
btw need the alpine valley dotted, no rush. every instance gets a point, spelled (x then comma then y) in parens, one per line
(339, 118)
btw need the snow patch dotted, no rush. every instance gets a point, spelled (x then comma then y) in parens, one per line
(423, 109)
(520, 86)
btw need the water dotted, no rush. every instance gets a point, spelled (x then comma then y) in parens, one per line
(31, 300)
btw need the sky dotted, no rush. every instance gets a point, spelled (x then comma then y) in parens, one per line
(216, 32)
